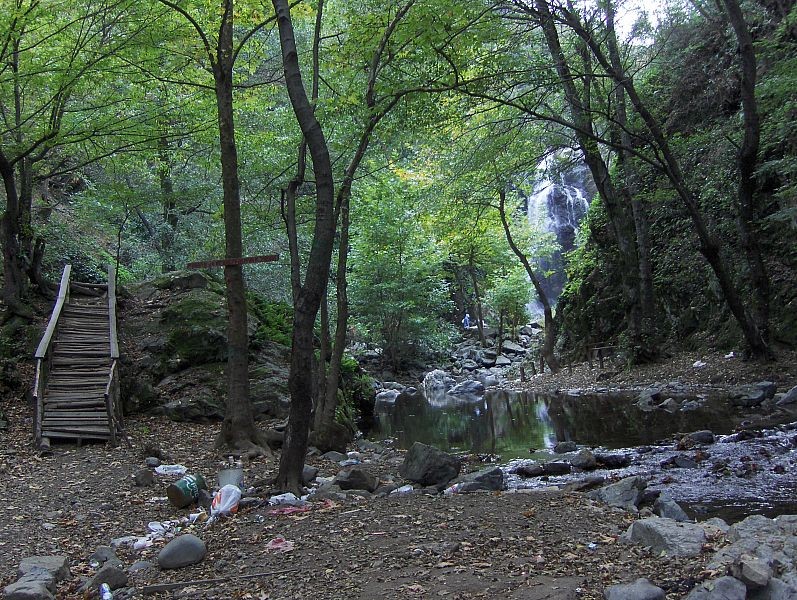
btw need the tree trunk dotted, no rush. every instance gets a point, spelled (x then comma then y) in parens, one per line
(550, 327)
(748, 161)
(647, 349)
(14, 282)
(477, 299)
(238, 432)
(168, 206)
(617, 213)
(309, 298)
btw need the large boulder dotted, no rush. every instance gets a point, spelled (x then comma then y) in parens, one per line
(626, 493)
(641, 589)
(724, 588)
(667, 536)
(668, 508)
(584, 460)
(334, 436)
(182, 551)
(356, 479)
(490, 479)
(789, 397)
(429, 466)
(513, 348)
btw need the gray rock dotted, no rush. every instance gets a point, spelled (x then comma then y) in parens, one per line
(356, 479)
(140, 565)
(429, 466)
(502, 361)
(768, 387)
(668, 536)
(613, 461)
(469, 365)
(37, 576)
(584, 460)
(555, 467)
(668, 508)
(58, 566)
(717, 523)
(27, 590)
(724, 588)
(309, 474)
(670, 405)
(690, 405)
(528, 471)
(513, 348)
(776, 589)
(679, 461)
(641, 589)
(469, 389)
(564, 447)
(103, 555)
(393, 385)
(753, 527)
(487, 358)
(334, 456)
(490, 479)
(751, 571)
(789, 397)
(112, 575)
(700, 437)
(386, 398)
(182, 551)
(748, 396)
(144, 478)
(152, 462)
(626, 493)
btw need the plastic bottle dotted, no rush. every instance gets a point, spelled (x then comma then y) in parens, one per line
(105, 592)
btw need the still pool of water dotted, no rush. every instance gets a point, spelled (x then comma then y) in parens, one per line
(510, 423)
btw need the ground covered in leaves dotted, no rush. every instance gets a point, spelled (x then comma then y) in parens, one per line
(530, 544)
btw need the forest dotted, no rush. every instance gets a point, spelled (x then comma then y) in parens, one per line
(387, 150)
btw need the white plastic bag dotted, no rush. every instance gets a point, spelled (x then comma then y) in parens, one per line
(225, 502)
(178, 470)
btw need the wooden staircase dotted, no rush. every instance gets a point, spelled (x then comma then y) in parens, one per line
(77, 382)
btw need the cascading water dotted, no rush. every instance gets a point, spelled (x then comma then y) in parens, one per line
(557, 203)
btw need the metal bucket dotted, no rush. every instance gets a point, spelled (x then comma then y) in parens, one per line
(230, 475)
(185, 491)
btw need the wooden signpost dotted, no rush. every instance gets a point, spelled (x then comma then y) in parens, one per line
(224, 262)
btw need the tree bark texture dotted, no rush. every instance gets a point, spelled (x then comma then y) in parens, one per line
(309, 298)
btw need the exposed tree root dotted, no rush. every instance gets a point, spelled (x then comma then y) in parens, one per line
(247, 444)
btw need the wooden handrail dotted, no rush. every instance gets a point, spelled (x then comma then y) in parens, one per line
(112, 311)
(63, 296)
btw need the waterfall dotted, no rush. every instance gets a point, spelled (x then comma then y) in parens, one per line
(557, 203)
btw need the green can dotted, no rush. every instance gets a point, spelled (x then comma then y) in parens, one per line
(185, 490)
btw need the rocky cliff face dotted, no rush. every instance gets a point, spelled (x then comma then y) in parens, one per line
(174, 348)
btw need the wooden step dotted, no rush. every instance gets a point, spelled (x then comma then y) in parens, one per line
(74, 434)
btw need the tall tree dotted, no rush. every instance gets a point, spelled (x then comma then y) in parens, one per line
(308, 300)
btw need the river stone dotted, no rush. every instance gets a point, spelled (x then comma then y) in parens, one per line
(776, 589)
(584, 460)
(613, 461)
(528, 471)
(27, 590)
(789, 397)
(751, 571)
(469, 365)
(626, 493)
(748, 396)
(182, 551)
(470, 389)
(428, 465)
(556, 467)
(668, 536)
(641, 589)
(564, 447)
(670, 405)
(724, 588)
(754, 526)
(57, 566)
(666, 507)
(386, 398)
(104, 555)
(144, 478)
(490, 479)
(357, 479)
(700, 437)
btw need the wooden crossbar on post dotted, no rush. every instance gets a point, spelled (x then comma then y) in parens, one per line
(225, 262)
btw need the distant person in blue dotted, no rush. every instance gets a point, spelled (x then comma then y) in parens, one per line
(466, 321)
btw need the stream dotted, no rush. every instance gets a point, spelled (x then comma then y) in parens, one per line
(741, 474)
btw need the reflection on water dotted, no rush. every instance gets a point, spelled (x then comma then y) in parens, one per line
(509, 423)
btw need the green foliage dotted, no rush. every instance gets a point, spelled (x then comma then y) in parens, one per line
(509, 294)
(397, 297)
(275, 319)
